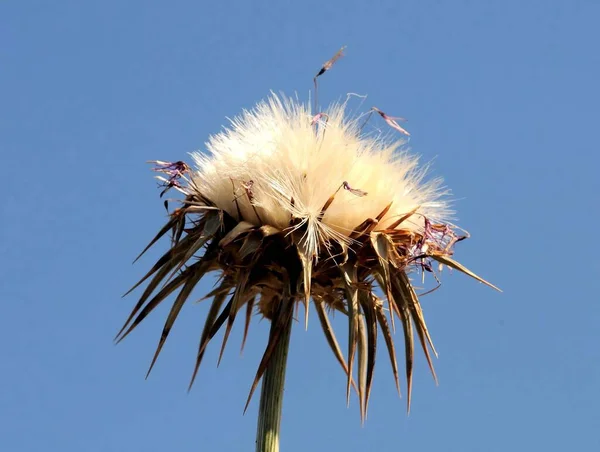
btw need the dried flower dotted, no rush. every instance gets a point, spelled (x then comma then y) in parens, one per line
(265, 209)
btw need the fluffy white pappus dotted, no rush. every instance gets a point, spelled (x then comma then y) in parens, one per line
(279, 161)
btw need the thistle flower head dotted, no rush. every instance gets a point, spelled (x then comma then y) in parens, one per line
(328, 179)
(291, 206)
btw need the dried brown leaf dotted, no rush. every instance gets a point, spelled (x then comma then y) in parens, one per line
(208, 326)
(381, 244)
(169, 225)
(461, 268)
(370, 320)
(155, 301)
(331, 339)
(389, 341)
(249, 308)
(351, 282)
(185, 292)
(362, 365)
(419, 320)
(403, 312)
(169, 258)
(237, 300)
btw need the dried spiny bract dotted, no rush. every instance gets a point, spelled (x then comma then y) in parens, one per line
(290, 213)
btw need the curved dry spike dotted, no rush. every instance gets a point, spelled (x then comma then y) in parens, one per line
(389, 341)
(415, 306)
(154, 302)
(157, 237)
(190, 284)
(236, 302)
(166, 259)
(147, 292)
(230, 325)
(231, 319)
(409, 351)
(417, 315)
(362, 366)
(461, 268)
(218, 323)
(384, 212)
(249, 308)
(409, 346)
(196, 246)
(208, 325)
(351, 282)
(370, 319)
(178, 229)
(380, 244)
(223, 288)
(427, 355)
(210, 228)
(331, 339)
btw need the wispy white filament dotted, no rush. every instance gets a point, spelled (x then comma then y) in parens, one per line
(275, 165)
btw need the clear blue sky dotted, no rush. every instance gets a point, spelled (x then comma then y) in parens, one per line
(503, 95)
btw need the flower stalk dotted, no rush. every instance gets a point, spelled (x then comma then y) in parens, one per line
(271, 395)
(293, 206)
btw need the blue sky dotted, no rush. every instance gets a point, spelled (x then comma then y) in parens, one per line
(503, 96)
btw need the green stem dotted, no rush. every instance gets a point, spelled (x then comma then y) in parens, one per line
(271, 394)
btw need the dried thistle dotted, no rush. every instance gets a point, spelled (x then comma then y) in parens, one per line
(291, 207)
(287, 215)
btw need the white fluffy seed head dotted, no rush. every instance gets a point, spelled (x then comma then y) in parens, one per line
(274, 164)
